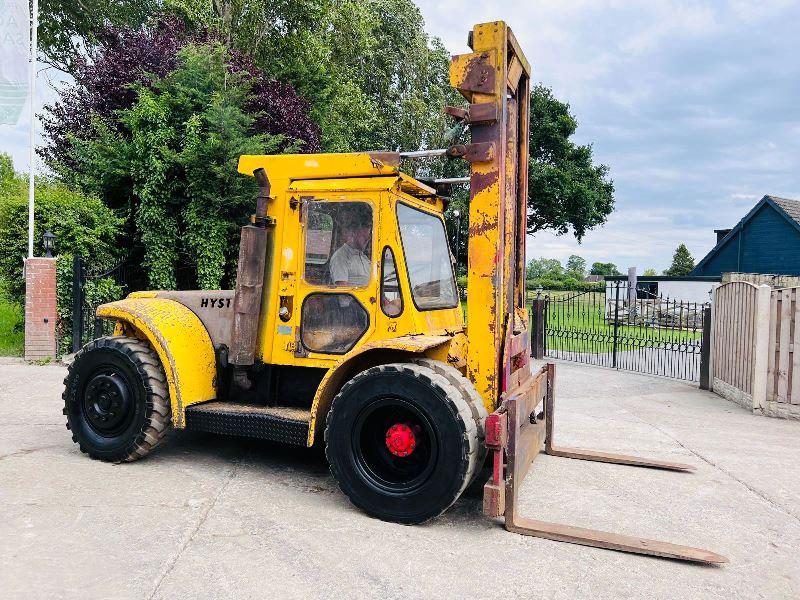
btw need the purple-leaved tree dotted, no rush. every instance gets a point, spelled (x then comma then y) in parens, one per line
(153, 125)
(105, 82)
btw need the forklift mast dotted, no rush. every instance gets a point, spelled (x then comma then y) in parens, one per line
(495, 80)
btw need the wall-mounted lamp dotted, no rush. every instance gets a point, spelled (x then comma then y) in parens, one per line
(49, 243)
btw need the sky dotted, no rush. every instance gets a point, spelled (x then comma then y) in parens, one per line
(694, 106)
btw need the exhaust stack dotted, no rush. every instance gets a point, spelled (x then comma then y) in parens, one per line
(253, 265)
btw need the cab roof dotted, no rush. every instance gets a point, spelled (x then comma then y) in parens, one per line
(400, 182)
(336, 172)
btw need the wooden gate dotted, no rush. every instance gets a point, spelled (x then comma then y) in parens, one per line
(783, 370)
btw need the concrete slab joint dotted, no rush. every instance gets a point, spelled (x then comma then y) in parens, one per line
(40, 308)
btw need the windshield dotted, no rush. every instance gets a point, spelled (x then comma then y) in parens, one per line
(430, 271)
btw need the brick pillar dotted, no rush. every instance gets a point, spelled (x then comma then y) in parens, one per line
(40, 308)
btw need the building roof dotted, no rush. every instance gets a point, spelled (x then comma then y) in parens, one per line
(789, 209)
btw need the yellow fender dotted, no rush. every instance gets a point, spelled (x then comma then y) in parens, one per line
(375, 353)
(181, 342)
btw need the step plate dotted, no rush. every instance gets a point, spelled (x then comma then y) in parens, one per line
(278, 424)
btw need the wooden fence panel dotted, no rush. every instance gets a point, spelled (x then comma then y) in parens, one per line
(734, 326)
(783, 350)
(795, 362)
(756, 347)
(773, 347)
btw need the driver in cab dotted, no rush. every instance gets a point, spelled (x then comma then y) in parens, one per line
(349, 265)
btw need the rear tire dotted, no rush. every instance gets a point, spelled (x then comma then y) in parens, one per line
(420, 476)
(116, 400)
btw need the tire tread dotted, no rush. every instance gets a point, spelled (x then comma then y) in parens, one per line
(148, 366)
(458, 403)
(470, 396)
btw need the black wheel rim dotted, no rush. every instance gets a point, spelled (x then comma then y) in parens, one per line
(108, 401)
(380, 467)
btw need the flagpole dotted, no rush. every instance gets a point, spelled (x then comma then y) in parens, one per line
(34, 46)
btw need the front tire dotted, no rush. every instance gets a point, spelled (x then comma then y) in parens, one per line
(116, 400)
(470, 395)
(402, 442)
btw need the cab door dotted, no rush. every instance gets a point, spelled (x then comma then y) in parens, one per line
(337, 286)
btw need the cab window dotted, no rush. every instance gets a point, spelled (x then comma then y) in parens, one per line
(391, 299)
(338, 244)
(332, 323)
(430, 272)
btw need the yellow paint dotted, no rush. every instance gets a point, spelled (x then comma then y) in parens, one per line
(286, 167)
(415, 188)
(453, 353)
(492, 292)
(181, 342)
(349, 184)
(356, 361)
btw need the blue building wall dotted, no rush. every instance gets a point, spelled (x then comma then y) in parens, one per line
(766, 243)
(725, 260)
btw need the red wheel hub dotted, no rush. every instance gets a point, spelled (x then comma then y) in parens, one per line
(400, 439)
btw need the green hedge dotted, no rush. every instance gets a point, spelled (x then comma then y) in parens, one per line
(12, 326)
(567, 284)
(82, 225)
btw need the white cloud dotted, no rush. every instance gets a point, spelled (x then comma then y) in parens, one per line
(692, 104)
(749, 11)
(744, 196)
(666, 21)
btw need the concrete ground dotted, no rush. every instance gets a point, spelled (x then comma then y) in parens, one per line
(212, 517)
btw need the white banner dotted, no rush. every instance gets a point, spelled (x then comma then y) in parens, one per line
(14, 59)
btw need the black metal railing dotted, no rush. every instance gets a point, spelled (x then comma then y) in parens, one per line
(625, 329)
(85, 324)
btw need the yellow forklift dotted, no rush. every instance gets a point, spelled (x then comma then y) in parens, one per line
(346, 329)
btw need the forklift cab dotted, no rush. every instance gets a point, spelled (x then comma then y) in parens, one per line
(374, 264)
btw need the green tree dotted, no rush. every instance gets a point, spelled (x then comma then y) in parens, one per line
(10, 182)
(67, 29)
(604, 269)
(650, 272)
(682, 262)
(566, 189)
(549, 268)
(375, 80)
(177, 150)
(374, 77)
(576, 267)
